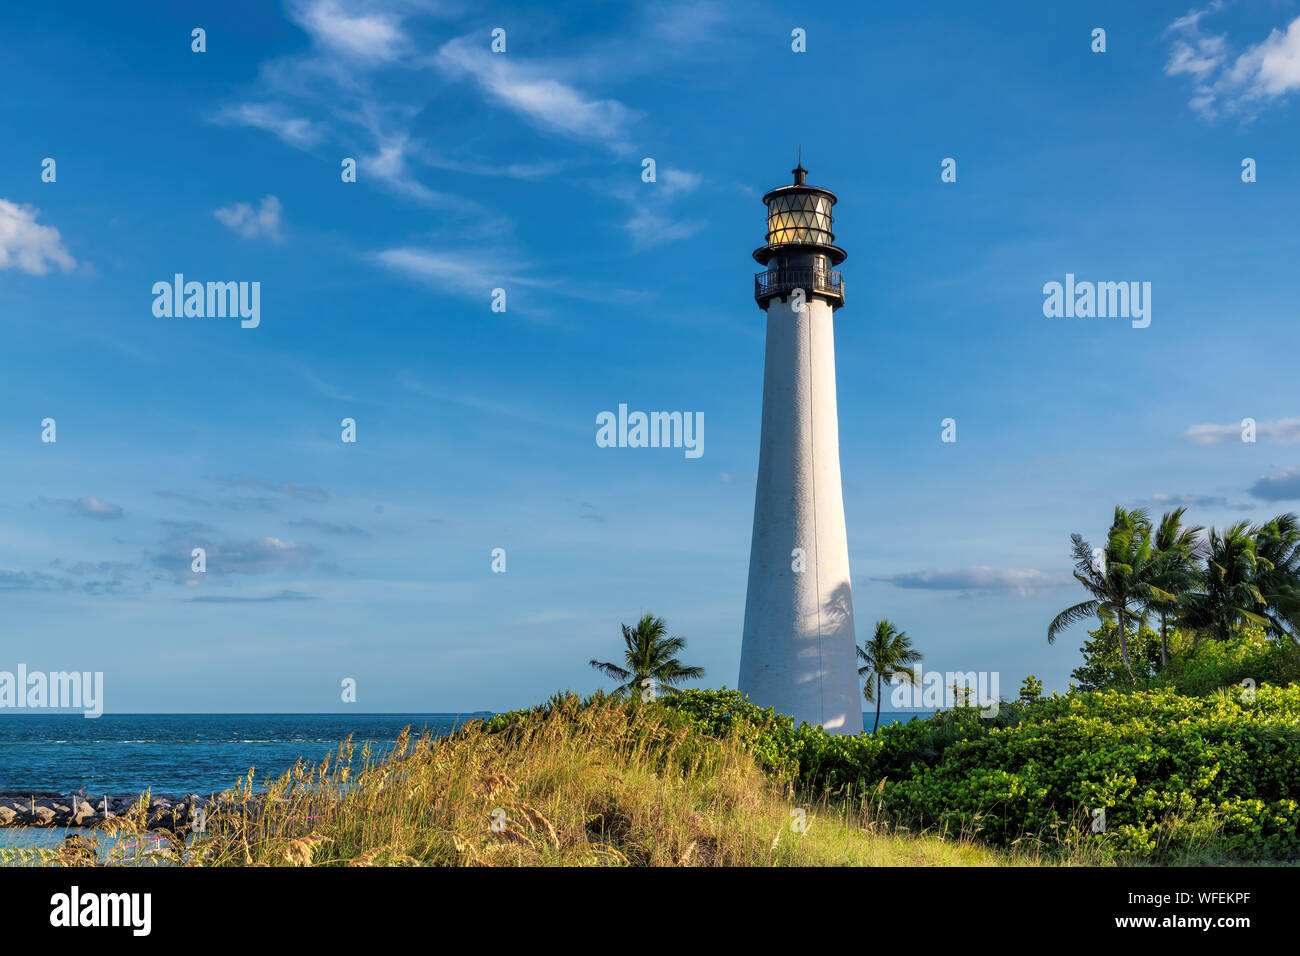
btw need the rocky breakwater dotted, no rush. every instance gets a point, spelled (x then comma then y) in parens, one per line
(80, 810)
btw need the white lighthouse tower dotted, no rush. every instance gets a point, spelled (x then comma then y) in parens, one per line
(798, 654)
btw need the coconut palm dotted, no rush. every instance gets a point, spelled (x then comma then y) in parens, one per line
(1229, 595)
(649, 656)
(1178, 548)
(1278, 543)
(1122, 579)
(888, 655)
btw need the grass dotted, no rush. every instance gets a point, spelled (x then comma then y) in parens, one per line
(607, 785)
(568, 784)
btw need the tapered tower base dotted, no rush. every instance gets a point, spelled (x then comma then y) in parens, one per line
(798, 654)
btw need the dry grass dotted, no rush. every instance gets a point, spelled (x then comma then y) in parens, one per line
(607, 785)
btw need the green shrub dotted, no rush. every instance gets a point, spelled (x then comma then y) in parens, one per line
(1211, 665)
(805, 756)
(1103, 666)
(1170, 773)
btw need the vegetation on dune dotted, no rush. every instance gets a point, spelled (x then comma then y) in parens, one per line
(596, 782)
(1155, 773)
(1122, 774)
(708, 778)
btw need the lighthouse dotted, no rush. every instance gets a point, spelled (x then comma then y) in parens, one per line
(799, 649)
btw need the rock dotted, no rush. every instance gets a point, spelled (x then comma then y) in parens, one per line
(41, 816)
(82, 813)
(8, 816)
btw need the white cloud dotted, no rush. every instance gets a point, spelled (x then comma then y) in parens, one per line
(651, 228)
(463, 274)
(1278, 60)
(1284, 431)
(469, 275)
(677, 182)
(359, 32)
(250, 223)
(541, 99)
(1228, 85)
(297, 131)
(27, 245)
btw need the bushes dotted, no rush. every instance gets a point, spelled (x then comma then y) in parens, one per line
(1215, 664)
(1170, 773)
(1195, 667)
(803, 756)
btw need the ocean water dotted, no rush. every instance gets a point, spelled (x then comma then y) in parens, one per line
(197, 753)
(183, 753)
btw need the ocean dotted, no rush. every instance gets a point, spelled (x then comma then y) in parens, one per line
(196, 753)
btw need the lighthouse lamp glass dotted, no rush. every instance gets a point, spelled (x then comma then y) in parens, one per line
(799, 218)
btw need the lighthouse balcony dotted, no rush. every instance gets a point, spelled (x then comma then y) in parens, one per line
(781, 283)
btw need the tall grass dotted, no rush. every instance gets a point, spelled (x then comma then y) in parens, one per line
(610, 784)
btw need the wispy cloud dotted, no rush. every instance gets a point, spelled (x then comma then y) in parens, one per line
(360, 32)
(329, 92)
(470, 277)
(649, 227)
(1284, 431)
(303, 492)
(461, 273)
(532, 93)
(1019, 581)
(268, 555)
(1229, 84)
(247, 503)
(345, 89)
(684, 24)
(87, 577)
(87, 507)
(27, 245)
(1192, 501)
(32, 581)
(298, 131)
(329, 527)
(272, 496)
(282, 596)
(252, 223)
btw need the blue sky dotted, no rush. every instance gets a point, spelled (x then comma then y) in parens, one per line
(476, 429)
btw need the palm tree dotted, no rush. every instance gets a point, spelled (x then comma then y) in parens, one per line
(888, 655)
(649, 655)
(1229, 595)
(1125, 576)
(1278, 543)
(1179, 550)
